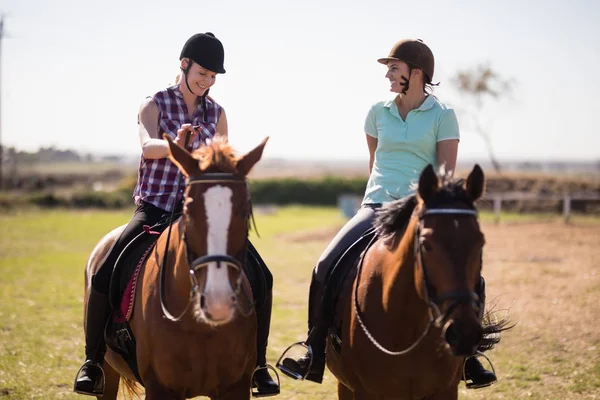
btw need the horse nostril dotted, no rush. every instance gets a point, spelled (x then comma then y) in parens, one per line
(450, 333)
(202, 302)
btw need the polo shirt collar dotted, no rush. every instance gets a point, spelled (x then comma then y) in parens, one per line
(427, 104)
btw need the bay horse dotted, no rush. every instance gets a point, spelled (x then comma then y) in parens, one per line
(413, 313)
(209, 349)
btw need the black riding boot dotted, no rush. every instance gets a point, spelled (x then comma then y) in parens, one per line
(474, 371)
(90, 378)
(316, 341)
(263, 384)
(261, 380)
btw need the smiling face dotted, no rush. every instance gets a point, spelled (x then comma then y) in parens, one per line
(198, 78)
(399, 75)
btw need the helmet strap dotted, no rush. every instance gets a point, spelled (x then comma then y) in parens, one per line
(204, 106)
(406, 83)
(202, 98)
(185, 73)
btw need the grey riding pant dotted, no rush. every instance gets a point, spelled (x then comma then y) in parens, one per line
(351, 232)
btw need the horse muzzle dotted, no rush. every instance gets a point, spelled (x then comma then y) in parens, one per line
(218, 309)
(463, 335)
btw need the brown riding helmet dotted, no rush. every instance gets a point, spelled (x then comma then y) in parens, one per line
(415, 53)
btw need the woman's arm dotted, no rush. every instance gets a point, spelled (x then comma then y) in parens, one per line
(372, 143)
(153, 147)
(447, 151)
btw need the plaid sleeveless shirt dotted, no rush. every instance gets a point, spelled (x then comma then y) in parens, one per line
(157, 179)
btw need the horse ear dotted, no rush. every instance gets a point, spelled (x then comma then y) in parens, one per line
(429, 183)
(475, 183)
(247, 161)
(181, 157)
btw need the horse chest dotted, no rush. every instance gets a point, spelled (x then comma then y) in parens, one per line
(200, 363)
(416, 375)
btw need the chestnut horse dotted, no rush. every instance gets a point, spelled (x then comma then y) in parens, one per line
(210, 348)
(413, 315)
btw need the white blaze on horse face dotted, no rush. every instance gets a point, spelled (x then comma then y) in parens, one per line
(218, 291)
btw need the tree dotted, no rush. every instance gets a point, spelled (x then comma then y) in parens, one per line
(480, 85)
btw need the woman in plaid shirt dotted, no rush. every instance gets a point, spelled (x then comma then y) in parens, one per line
(179, 110)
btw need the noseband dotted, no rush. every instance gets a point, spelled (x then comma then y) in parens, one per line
(196, 264)
(435, 316)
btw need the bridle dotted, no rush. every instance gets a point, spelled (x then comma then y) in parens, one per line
(196, 264)
(435, 316)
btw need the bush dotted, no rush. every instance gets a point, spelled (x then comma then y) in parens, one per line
(322, 192)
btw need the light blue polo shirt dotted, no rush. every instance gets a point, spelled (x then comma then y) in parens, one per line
(405, 148)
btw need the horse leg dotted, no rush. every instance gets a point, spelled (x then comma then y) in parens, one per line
(238, 391)
(360, 394)
(344, 392)
(111, 382)
(448, 394)
(155, 391)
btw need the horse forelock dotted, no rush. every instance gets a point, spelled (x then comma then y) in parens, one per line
(217, 155)
(451, 191)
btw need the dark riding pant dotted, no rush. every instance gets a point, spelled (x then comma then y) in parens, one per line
(145, 214)
(350, 233)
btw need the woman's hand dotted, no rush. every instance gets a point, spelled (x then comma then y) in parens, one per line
(182, 134)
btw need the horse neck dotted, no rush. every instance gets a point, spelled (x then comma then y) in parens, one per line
(398, 277)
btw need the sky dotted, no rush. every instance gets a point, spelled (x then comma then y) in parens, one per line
(304, 73)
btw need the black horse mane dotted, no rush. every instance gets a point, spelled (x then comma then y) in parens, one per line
(393, 217)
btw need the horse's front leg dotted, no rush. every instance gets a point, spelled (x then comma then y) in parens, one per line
(344, 392)
(360, 394)
(155, 391)
(448, 394)
(238, 391)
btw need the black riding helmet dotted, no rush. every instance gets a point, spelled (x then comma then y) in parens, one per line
(207, 51)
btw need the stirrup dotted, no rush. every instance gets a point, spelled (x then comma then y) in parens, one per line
(474, 385)
(97, 365)
(288, 372)
(255, 393)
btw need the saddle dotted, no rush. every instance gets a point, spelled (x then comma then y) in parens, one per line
(338, 285)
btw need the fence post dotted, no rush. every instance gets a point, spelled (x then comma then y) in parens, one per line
(497, 207)
(566, 207)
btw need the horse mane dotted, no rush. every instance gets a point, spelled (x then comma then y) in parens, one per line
(216, 155)
(393, 218)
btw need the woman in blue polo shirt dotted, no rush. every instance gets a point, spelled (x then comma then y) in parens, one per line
(404, 135)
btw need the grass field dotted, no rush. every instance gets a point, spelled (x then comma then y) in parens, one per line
(546, 272)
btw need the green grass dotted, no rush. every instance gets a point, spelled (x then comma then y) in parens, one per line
(42, 257)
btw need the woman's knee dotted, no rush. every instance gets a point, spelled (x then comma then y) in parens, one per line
(321, 270)
(101, 279)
